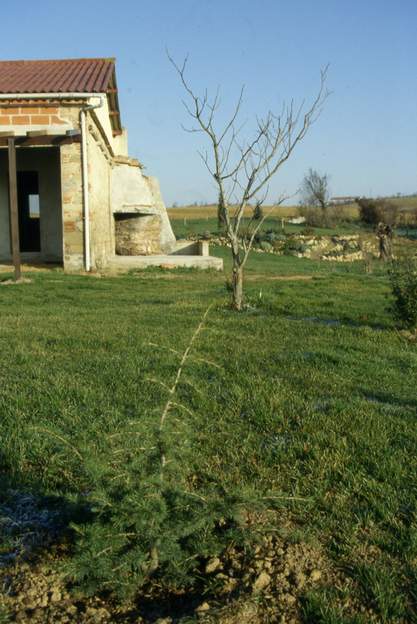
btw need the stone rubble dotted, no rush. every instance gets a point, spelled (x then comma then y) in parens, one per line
(346, 248)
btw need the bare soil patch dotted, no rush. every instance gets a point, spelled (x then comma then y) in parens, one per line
(33, 268)
(12, 282)
(264, 586)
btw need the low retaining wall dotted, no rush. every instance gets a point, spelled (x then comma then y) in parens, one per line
(188, 248)
(174, 261)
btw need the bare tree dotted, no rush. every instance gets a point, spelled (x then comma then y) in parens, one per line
(221, 219)
(242, 169)
(315, 190)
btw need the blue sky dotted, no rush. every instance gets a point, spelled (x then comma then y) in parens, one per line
(366, 137)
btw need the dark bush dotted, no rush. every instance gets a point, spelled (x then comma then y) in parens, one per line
(258, 212)
(374, 211)
(403, 278)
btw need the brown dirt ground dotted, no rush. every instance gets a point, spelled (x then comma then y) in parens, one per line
(264, 587)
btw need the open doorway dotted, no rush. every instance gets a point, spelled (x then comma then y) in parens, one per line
(29, 211)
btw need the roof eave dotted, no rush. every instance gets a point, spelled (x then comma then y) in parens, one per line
(113, 102)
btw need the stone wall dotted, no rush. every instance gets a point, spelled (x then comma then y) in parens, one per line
(337, 248)
(138, 235)
(72, 207)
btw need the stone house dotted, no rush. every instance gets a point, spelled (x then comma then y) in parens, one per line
(81, 201)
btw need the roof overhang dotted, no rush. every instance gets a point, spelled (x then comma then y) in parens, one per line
(113, 103)
(39, 138)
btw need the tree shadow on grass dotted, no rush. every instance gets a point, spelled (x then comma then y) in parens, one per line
(32, 522)
(389, 400)
(342, 322)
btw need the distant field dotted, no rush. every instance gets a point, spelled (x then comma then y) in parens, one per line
(210, 210)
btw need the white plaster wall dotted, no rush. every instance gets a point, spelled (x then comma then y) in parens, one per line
(101, 219)
(168, 240)
(130, 189)
(103, 115)
(120, 144)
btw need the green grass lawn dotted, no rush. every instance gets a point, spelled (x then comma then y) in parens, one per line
(313, 401)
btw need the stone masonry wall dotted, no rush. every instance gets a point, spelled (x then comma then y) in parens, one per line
(138, 234)
(72, 206)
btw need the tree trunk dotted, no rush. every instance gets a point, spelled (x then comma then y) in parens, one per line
(221, 217)
(385, 248)
(237, 285)
(221, 220)
(384, 234)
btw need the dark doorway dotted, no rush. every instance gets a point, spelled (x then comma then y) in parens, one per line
(29, 211)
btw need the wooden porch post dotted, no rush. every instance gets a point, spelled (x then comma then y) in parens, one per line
(13, 209)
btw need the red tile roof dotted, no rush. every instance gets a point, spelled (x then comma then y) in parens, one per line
(66, 76)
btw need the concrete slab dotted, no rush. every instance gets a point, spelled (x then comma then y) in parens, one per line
(127, 263)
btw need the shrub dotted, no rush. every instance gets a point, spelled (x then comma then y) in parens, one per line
(403, 278)
(258, 212)
(342, 213)
(329, 217)
(280, 238)
(293, 246)
(374, 211)
(408, 218)
(270, 236)
(307, 231)
(314, 217)
(278, 245)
